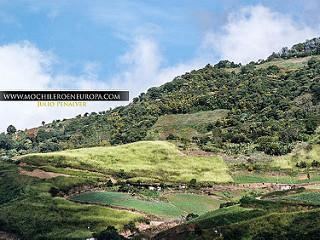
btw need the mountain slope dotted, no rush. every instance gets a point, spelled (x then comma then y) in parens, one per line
(262, 99)
(261, 103)
(153, 161)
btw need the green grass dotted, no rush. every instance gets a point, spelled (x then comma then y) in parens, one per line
(185, 125)
(193, 203)
(308, 197)
(154, 161)
(157, 208)
(173, 206)
(46, 218)
(288, 64)
(267, 178)
(262, 178)
(299, 154)
(219, 212)
(238, 222)
(28, 210)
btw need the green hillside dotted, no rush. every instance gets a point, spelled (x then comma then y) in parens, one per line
(147, 161)
(262, 98)
(185, 126)
(28, 209)
(307, 154)
(294, 218)
(214, 135)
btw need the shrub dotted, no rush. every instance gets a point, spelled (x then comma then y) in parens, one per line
(191, 216)
(130, 226)
(109, 183)
(193, 183)
(315, 163)
(301, 164)
(110, 233)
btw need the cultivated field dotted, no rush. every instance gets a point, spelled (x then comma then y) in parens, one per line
(27, 208)
(170, 206)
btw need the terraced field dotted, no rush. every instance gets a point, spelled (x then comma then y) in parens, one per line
(28, 209)
(171, 206)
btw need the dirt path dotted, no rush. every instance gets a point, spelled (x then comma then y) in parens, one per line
(37, 173)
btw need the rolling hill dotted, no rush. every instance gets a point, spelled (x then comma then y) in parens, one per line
(262, 98)
(146, 161)
(227, 136)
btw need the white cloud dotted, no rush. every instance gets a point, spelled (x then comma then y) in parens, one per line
(144, 67)
(24, 67)
(250, 34)
(255, 32)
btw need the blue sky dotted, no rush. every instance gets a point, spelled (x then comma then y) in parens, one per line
(79, 32)
(136, 44)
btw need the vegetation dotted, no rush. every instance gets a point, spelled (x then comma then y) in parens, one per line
(145, 161)
(309, 197)
(193, 203)
(185, 126)
(256, 123)
(28, 209)
(256, 219)
(171, 206)
(261, 100)
(304, 156)
(309, 47)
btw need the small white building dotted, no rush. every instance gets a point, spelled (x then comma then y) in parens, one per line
(284, 187)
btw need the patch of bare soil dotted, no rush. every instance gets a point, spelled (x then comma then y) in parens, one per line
(147, 231)
(7, 236)
(246, 186)
(303, 177)
(37, 173)
(197, 153)
(22, 164)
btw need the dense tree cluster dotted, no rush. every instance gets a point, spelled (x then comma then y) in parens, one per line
(308, 48)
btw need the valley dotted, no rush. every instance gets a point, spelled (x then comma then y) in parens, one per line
(100, 182)
(228, 151)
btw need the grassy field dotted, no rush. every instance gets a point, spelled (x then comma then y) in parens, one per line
(173, 206)
(157, 208)
(185, 125)
(220, 212)
(193, 203)
(150, 161)
(288, 64)
(285, 64)
(299, 154)
(250, 221)
(308, 197)
(281, 178)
